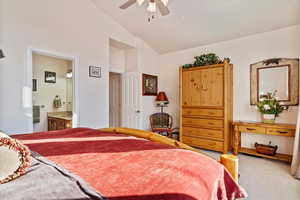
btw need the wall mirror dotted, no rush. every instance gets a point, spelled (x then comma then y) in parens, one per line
(280, 75)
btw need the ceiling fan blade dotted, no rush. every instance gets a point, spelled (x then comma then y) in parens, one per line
(128, 4)
(164, 10)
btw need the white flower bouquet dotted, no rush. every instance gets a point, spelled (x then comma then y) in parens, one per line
(270, 107)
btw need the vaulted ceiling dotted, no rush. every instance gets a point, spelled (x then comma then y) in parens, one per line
(194, 23)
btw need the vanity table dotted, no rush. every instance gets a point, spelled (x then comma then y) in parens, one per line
(276, 129)
(59, 120)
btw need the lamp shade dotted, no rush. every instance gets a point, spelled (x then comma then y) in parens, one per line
(1, 54)
(161, 97)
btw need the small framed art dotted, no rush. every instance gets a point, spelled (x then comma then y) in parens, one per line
(95, 71)
(149, 85)
(50, 77)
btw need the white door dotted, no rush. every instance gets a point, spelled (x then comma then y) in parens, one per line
(131, 100)
(115, 100)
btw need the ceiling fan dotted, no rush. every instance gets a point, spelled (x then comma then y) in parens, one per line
(152, 6)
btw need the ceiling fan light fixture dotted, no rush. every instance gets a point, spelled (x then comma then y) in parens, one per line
(165, 2)
(140, 2)
(151, 7)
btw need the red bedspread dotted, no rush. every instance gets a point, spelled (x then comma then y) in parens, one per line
(122, 167)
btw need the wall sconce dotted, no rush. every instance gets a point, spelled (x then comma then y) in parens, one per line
(69, 74)
(1, 54)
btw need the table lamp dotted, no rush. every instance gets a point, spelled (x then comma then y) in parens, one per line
(162, 100)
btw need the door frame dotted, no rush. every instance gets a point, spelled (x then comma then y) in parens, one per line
(29, 74)
(121, 96)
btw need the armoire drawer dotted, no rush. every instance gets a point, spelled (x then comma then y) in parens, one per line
(200, 132)
(203, 143)
(202, 112)
(195, 122)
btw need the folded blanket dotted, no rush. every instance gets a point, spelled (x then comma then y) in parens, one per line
(47, 181)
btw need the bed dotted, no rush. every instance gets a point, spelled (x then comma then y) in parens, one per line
(124, 167)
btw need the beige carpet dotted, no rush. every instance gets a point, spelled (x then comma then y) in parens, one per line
(266, 179)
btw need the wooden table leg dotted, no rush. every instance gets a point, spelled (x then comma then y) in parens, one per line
(236, 143)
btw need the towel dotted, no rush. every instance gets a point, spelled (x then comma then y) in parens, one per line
(57, 102)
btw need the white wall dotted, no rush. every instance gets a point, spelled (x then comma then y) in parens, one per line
(46, 92)
(243, 52)
(75, 28)
(131, 60)
(117, 59)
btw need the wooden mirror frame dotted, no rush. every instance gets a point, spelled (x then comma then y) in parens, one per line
(292, 63)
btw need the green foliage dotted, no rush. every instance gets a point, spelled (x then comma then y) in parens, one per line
(206, 59)
(187, 66)
(268, 104)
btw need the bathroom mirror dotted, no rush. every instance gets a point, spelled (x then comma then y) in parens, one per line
(275, 75)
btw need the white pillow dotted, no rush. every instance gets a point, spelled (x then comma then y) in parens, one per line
(14, 158)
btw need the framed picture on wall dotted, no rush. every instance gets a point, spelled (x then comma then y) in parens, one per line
(95, 71)
(50, 77)
(149, 85)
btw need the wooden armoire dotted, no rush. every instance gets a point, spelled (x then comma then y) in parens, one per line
(206, 106)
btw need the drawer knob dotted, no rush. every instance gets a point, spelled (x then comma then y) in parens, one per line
(251, 129)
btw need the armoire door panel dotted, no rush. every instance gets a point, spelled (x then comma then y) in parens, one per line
(195, 88)
(212, 87)
(186, 86)
(191, 88)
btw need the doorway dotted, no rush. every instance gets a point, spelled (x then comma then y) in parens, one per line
(115, 96)
(53, 85)
(125, 82)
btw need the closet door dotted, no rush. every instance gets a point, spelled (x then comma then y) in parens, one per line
(211, 87)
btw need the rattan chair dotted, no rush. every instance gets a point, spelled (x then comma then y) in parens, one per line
(161, 123)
